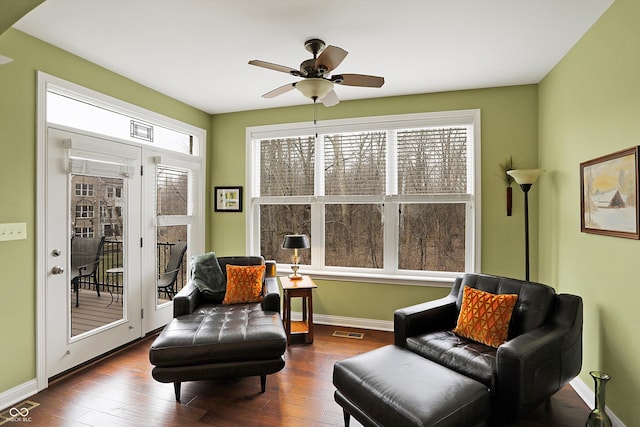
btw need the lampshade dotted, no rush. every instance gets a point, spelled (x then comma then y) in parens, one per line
(295, 241)
(525, 176)
(314, 88)
(6, 60)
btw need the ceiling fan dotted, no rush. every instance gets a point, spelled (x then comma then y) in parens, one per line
(317, 83)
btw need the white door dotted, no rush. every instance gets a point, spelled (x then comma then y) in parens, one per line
(93, 192)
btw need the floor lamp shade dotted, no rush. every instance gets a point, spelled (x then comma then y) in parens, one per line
(525, 176)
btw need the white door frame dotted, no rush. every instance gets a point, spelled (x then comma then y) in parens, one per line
(44, 82)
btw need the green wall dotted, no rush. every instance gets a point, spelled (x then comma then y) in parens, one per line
(589, 107)
(18, 178)
(509, 118)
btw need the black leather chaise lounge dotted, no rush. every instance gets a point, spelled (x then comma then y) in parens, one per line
(208, 339)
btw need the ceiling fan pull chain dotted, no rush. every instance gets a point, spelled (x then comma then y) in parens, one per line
(315, 115)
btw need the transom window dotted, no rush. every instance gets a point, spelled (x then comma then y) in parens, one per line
(81, 114)
(378, 197)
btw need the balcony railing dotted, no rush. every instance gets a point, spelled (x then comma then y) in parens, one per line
(111, 259)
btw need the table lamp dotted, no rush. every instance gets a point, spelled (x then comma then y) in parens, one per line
(295, 242)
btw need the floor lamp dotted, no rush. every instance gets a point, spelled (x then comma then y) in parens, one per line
(526, 178)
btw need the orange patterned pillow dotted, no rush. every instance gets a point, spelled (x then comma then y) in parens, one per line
(244, 284)
(484, 317)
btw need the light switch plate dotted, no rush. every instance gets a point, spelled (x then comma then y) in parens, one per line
(13, 231)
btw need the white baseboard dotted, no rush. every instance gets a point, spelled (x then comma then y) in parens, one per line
(588, 396)
(349, 322)
(18, 394)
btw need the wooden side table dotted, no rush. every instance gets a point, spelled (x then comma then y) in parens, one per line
(298, 289)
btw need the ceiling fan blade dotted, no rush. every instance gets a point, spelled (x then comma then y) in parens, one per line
(276, 67)
(330, 99)
(280, 90)
(358, 80)
(330, 58)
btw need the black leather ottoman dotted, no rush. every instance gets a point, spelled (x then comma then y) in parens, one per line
(392, 386)
(217, 341)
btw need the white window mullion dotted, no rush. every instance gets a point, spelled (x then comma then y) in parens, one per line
(391, 219)
(392, 162)
(317, 233)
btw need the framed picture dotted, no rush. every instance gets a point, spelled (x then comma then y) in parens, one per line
(609, 195)
(228, 199)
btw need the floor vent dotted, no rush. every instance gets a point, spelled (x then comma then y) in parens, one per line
(18, 413)
(346, 334)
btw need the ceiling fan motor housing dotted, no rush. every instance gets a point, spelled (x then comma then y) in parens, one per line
(308, 69)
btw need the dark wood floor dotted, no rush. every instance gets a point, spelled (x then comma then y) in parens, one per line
(119, 391)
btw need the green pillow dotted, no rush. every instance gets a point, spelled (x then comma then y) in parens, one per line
(207, 276)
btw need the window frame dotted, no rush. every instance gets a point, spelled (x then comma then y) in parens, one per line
(391, 275)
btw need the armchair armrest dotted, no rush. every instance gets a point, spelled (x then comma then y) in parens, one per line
(421, 318)
(538, 363)
(528, 369)
(271, 295)
(186, 301)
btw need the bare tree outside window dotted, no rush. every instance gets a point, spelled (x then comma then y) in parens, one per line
(354, 236)
(287, 166)
(276, 221)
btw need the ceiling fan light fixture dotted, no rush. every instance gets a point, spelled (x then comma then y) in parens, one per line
(315, 88)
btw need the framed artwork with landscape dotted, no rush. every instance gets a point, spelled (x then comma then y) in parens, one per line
(609, 195)
(228, 199)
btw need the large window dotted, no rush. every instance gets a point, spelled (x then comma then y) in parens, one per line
(378, 197)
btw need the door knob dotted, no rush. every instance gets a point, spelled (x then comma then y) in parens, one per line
(57, 270)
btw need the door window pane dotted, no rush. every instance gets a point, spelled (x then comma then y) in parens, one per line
(172, 269)
(97, 269)
(172, 186)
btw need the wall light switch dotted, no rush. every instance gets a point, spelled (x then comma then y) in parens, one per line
(14, 231)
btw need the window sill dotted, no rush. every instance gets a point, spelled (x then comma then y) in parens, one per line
(385, 279)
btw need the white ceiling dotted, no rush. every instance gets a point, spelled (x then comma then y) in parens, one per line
(197, 50)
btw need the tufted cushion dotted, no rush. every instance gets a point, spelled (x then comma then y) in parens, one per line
(484, 317)
(475, 360)
(220, 333)
(244, 284)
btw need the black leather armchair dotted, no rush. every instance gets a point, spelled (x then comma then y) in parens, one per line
(543, 351)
